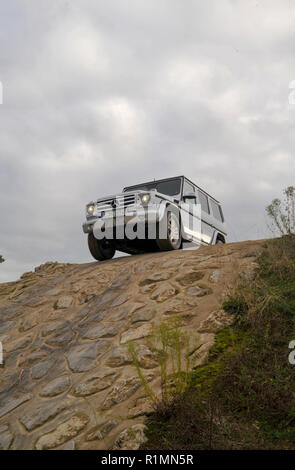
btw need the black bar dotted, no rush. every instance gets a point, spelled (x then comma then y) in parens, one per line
(148, 459)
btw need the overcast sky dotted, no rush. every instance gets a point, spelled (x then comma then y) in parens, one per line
(101, 94)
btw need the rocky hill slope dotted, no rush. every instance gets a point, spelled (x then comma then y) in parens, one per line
(67, 380)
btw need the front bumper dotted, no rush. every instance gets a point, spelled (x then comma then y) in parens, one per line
(149, 215)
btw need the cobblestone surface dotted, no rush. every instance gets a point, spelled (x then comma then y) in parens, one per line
(68, 381)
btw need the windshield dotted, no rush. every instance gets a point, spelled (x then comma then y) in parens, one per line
(168, 187)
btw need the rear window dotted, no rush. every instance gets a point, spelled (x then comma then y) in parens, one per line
(216, 210)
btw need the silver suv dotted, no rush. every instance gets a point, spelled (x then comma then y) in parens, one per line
(159, 215)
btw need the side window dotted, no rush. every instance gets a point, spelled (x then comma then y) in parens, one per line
(204, 202)
(216, 211)
(188, 188)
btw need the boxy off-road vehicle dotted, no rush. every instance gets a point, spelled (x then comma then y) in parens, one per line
(154, 216)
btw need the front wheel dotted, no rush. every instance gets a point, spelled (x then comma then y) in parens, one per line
(173, 236)
(101, 250)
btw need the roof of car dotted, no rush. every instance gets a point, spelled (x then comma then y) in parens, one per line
(172, 177)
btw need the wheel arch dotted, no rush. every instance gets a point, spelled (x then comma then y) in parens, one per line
(219, 237)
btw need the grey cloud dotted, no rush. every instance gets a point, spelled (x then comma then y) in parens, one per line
(99, 95)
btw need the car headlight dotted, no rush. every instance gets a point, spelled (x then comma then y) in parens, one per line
(145, 198)
(90, 209)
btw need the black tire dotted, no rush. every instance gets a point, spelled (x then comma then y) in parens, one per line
(171, 242)
(219, 242)
(101, 250)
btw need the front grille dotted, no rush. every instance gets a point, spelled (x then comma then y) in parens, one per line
(122, 201)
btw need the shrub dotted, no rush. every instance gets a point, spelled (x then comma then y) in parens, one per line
(282, 214)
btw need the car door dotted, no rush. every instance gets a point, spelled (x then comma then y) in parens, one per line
(191, 214)
(207, 228)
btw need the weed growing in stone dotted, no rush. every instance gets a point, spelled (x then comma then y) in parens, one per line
(171, 347)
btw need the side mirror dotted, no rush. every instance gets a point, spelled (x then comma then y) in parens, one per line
(190, 197)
